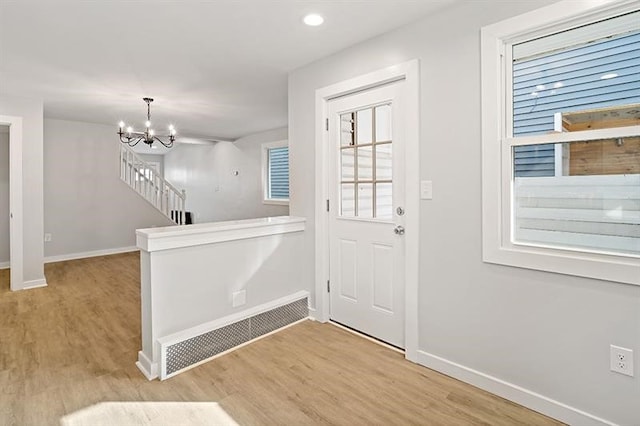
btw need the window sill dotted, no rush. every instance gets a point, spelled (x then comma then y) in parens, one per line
(604, 267)
(276, 202)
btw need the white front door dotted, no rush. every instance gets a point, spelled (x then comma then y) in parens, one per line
(366, 192)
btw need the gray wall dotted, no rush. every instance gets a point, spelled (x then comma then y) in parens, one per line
(214, 193)
(545, 332)
(87, 207)
(4, 194)
(31, 112)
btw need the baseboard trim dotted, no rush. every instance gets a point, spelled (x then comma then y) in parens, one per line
(28, 285)
(148, 368)
(312, 314)
(5, 265)
(515, 393)
(86, 254)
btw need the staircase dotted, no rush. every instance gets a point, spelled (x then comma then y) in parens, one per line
(144, 179)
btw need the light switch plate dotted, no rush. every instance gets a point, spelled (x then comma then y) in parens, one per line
(426, 190)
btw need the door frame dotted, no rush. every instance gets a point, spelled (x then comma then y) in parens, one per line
(15, 200)
(409, 72)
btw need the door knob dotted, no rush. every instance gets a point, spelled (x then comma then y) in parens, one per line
(399, 230)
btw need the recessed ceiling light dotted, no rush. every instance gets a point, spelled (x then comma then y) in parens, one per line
(313, 20)
(608, 76)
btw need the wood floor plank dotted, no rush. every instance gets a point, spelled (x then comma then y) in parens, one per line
(74, 344)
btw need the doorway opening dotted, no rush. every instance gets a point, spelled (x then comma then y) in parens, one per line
(4, 209)
(408, 75)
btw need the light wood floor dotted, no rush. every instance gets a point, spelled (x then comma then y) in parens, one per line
(74, 344)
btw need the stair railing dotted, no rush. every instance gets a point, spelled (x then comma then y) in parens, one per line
(143, 178)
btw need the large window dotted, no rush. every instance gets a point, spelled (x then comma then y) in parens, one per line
(275, 172)
(561, 141)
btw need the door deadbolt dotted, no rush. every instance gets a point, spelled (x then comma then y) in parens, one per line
(400, 211)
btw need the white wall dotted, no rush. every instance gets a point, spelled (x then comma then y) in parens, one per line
(31, 111)
(4, 195)
(214, 193)
(155, 158)
(189, 278)
(545, 332)
(87, 207)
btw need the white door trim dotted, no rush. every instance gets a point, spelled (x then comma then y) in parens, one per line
(15, 200)
(409, 72)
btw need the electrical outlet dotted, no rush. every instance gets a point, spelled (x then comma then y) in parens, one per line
(47, 238)
(621, 360)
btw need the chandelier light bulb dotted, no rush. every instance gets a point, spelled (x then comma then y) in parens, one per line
(121, 124)
(147, 124)
(129, 129)
(151, 132)
(171, 127)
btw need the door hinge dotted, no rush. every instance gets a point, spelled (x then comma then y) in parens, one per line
(328, 286)
(326, 124)
(327, 205)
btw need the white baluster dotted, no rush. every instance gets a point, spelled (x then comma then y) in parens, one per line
(152, 187)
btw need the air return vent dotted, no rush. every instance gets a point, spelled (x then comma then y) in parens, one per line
(177, 356)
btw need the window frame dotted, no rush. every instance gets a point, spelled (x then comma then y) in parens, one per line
(498, 140)
(266, 199)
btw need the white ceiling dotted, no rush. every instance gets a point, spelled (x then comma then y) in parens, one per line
(217, 69)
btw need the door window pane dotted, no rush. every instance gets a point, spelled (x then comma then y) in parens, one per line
(365, 163)
(348, 164)
(365, 200)
(383, 123)
(347, 200)
(347, 134)
(364, 124)
(384, 161)
(384, 201)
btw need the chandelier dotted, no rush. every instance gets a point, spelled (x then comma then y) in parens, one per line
(132, 138)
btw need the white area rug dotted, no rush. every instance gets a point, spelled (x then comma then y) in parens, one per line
(149, 413)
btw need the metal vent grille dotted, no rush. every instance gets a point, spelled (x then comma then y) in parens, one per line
(274, 319)
(191, 351)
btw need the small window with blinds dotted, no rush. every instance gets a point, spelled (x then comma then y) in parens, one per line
(275, 164)
(561, 170)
